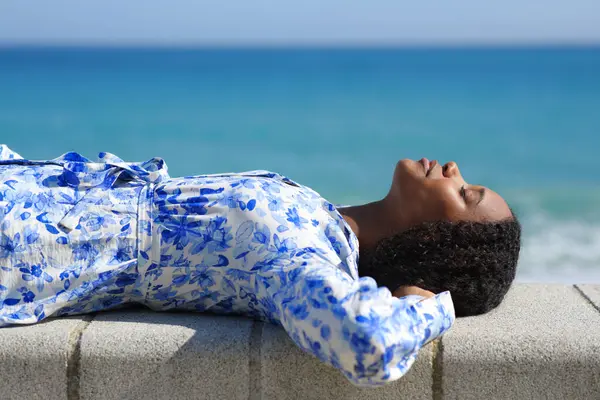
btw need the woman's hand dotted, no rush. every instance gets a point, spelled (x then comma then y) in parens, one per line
(408, 290)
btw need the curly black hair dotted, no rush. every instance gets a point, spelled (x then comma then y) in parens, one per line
(475, 261)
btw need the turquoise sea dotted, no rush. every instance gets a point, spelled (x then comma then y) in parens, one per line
(525, 122)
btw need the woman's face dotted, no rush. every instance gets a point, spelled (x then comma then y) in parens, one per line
(425, 191)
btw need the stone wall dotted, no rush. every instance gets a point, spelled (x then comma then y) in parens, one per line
(543, 342)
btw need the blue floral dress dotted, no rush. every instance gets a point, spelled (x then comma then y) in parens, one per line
(78, 236)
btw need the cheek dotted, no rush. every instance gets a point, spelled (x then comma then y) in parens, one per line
(420, 204)
(452, 207)
(442, 203)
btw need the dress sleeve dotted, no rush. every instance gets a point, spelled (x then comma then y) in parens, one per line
(8, 154)
(372, 337)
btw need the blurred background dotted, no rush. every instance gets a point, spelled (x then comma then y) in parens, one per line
(330, 93)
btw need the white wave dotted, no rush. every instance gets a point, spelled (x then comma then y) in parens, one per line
(562, 251)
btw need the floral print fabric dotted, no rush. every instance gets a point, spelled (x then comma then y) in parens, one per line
(78, 236)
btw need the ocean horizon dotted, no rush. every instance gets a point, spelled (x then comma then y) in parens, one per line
(523, 121)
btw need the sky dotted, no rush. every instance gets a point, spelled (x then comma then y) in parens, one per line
(313, 22)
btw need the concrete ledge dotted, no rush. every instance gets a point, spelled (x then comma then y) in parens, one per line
(288, 373)
(543, 342)
(149, 355)
(35, 360)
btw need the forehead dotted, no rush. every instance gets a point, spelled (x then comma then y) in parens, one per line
(492, 208)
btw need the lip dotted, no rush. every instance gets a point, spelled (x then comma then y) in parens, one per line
(431, 166)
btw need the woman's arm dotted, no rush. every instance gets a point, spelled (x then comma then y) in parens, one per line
(364, 331)
(403, 291)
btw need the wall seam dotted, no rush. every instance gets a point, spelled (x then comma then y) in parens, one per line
(74, 357)
(255, 361)
(437, 363)
(585, 296)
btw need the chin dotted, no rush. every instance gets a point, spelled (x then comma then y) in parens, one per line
(409, 167)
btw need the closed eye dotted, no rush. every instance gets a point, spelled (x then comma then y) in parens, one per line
(463, 193)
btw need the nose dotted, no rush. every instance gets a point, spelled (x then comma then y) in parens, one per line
(450, 169)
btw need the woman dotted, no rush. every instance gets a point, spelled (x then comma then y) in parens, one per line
(80, 236)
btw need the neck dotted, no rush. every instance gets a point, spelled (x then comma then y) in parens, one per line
(369, 222)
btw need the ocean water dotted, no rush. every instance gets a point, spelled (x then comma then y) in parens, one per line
(525, 122)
